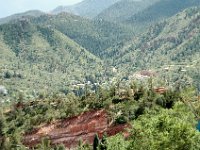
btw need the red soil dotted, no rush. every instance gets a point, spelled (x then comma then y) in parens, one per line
(160, 90)
(70, 131)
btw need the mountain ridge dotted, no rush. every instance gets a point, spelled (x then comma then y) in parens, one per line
(168, 41)
(123, 9)
(86, 8)
(32, 49)
(166, 9)
(30, 13)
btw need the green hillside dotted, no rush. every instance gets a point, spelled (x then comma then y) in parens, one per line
(173, 44)
(139, 15)
(31, 13)
(94, 35)
(176, 39)
(40, 58)
(41, 53)
(124, 9)
(75, 48)
(71, 82)
(161, 10)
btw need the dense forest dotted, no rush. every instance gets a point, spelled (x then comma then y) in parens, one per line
(124, 76)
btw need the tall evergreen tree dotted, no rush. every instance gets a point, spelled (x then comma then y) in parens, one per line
(96, 142)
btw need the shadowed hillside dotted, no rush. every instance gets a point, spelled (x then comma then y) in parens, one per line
(124, 9)
(94, 35)
(161, 10)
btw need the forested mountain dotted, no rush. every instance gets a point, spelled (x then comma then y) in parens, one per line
(31, 13)
(86, 8)
(85, 46)
(174, 41)
(161, 10)
(139, 15)
(124, 9)
(69, 81)
(94, 35)
(38, 57)
(49, 46)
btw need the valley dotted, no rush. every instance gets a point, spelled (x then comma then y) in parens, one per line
(120, 72)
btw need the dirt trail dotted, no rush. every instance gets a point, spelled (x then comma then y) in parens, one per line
(70, 131)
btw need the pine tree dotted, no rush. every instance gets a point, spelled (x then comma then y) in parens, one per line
(96, 142)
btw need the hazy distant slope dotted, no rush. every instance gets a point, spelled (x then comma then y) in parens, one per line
(161, 10)
(124, 9)
(31, 13)
(86, 8)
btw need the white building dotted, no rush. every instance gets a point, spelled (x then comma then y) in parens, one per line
(3, 90)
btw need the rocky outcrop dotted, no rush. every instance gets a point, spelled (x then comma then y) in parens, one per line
(70, 131)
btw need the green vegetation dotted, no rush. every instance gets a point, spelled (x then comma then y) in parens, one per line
(31, 13)
(161, 10)
(37, 58)
(94, 35)
(170, 48)
(155, 123)
(124, 9)
(139, 15)
(166, 129)
(53, 67)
